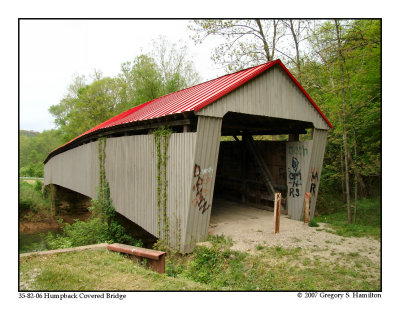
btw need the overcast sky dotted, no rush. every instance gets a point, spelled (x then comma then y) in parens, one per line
(52, 51)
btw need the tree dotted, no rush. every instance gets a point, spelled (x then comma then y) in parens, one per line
(147, 80)
(344, 108)
(89, 106)
(342, 73)
(33, 149)
(167, 69)
(245, 42)
(176, 68)
(249, 42)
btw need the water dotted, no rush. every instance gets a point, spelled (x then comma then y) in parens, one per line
(33, 242)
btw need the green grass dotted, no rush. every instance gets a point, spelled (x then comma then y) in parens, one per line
(215, 267)
(94, 270)
(368, 221)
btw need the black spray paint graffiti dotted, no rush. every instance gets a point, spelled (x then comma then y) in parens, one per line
(202, 178)
(314, 180)
(294, 178)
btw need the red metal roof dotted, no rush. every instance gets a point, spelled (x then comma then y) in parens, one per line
(194, 98)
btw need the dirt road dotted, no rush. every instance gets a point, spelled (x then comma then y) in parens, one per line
(250, 227)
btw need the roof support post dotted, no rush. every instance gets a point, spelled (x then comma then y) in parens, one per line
(202, 175)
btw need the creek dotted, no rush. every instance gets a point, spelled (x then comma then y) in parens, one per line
(33, 242)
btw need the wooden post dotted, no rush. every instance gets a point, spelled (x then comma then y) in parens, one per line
(277, 212)
(307, 208)
(53, 210)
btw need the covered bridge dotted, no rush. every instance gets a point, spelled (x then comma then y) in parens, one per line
(166, 183)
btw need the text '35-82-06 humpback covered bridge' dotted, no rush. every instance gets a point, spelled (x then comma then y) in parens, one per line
(167, 185)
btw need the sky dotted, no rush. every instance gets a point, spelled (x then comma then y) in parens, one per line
(53, 51)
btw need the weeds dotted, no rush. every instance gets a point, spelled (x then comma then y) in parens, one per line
(216, 267)
(313, 223)
(32, 203)
(368, 223)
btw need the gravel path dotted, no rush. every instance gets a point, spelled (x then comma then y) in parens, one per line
(250, 227)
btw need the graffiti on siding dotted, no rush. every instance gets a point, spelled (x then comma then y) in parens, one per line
(298, 150)
(202, 179)
(314, 180)
(294, 173)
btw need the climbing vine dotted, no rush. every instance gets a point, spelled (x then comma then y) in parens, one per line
(103, 207)
(161, 138)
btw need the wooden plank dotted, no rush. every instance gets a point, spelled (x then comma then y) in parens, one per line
(156, 258)
(277, 212)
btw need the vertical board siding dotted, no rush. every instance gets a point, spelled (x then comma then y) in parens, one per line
(179, 164)
(315, 169)
(298, 155)
(76, 169)
(202, 180)
(131, 171)
(271, 94)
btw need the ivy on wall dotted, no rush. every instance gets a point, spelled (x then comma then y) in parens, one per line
(161, 138)
(103, 204)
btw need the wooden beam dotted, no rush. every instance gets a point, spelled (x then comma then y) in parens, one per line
(232, 132)
(186, 128)
(250, 145)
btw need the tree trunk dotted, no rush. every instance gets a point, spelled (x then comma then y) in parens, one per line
(296, 44)
(266, 47)
(346, 151)
(355, 179)
(360, 179)
(342, 171)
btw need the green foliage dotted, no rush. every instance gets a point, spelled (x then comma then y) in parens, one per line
(79, 233)
(31, 199)
(34, 148)
(103, 208)
(313, 223)
(167, 69)
(368, 222)
(321, 77)
(102, 226)
(38, 185)
(174, 64)
(161, 138)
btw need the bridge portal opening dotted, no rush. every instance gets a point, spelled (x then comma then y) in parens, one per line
(252, 164)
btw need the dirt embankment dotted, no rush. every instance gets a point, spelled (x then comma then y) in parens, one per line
(27, 226)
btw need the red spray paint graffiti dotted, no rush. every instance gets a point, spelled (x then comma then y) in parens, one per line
(202, 177)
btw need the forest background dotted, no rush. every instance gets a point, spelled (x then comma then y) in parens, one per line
(338, 62)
